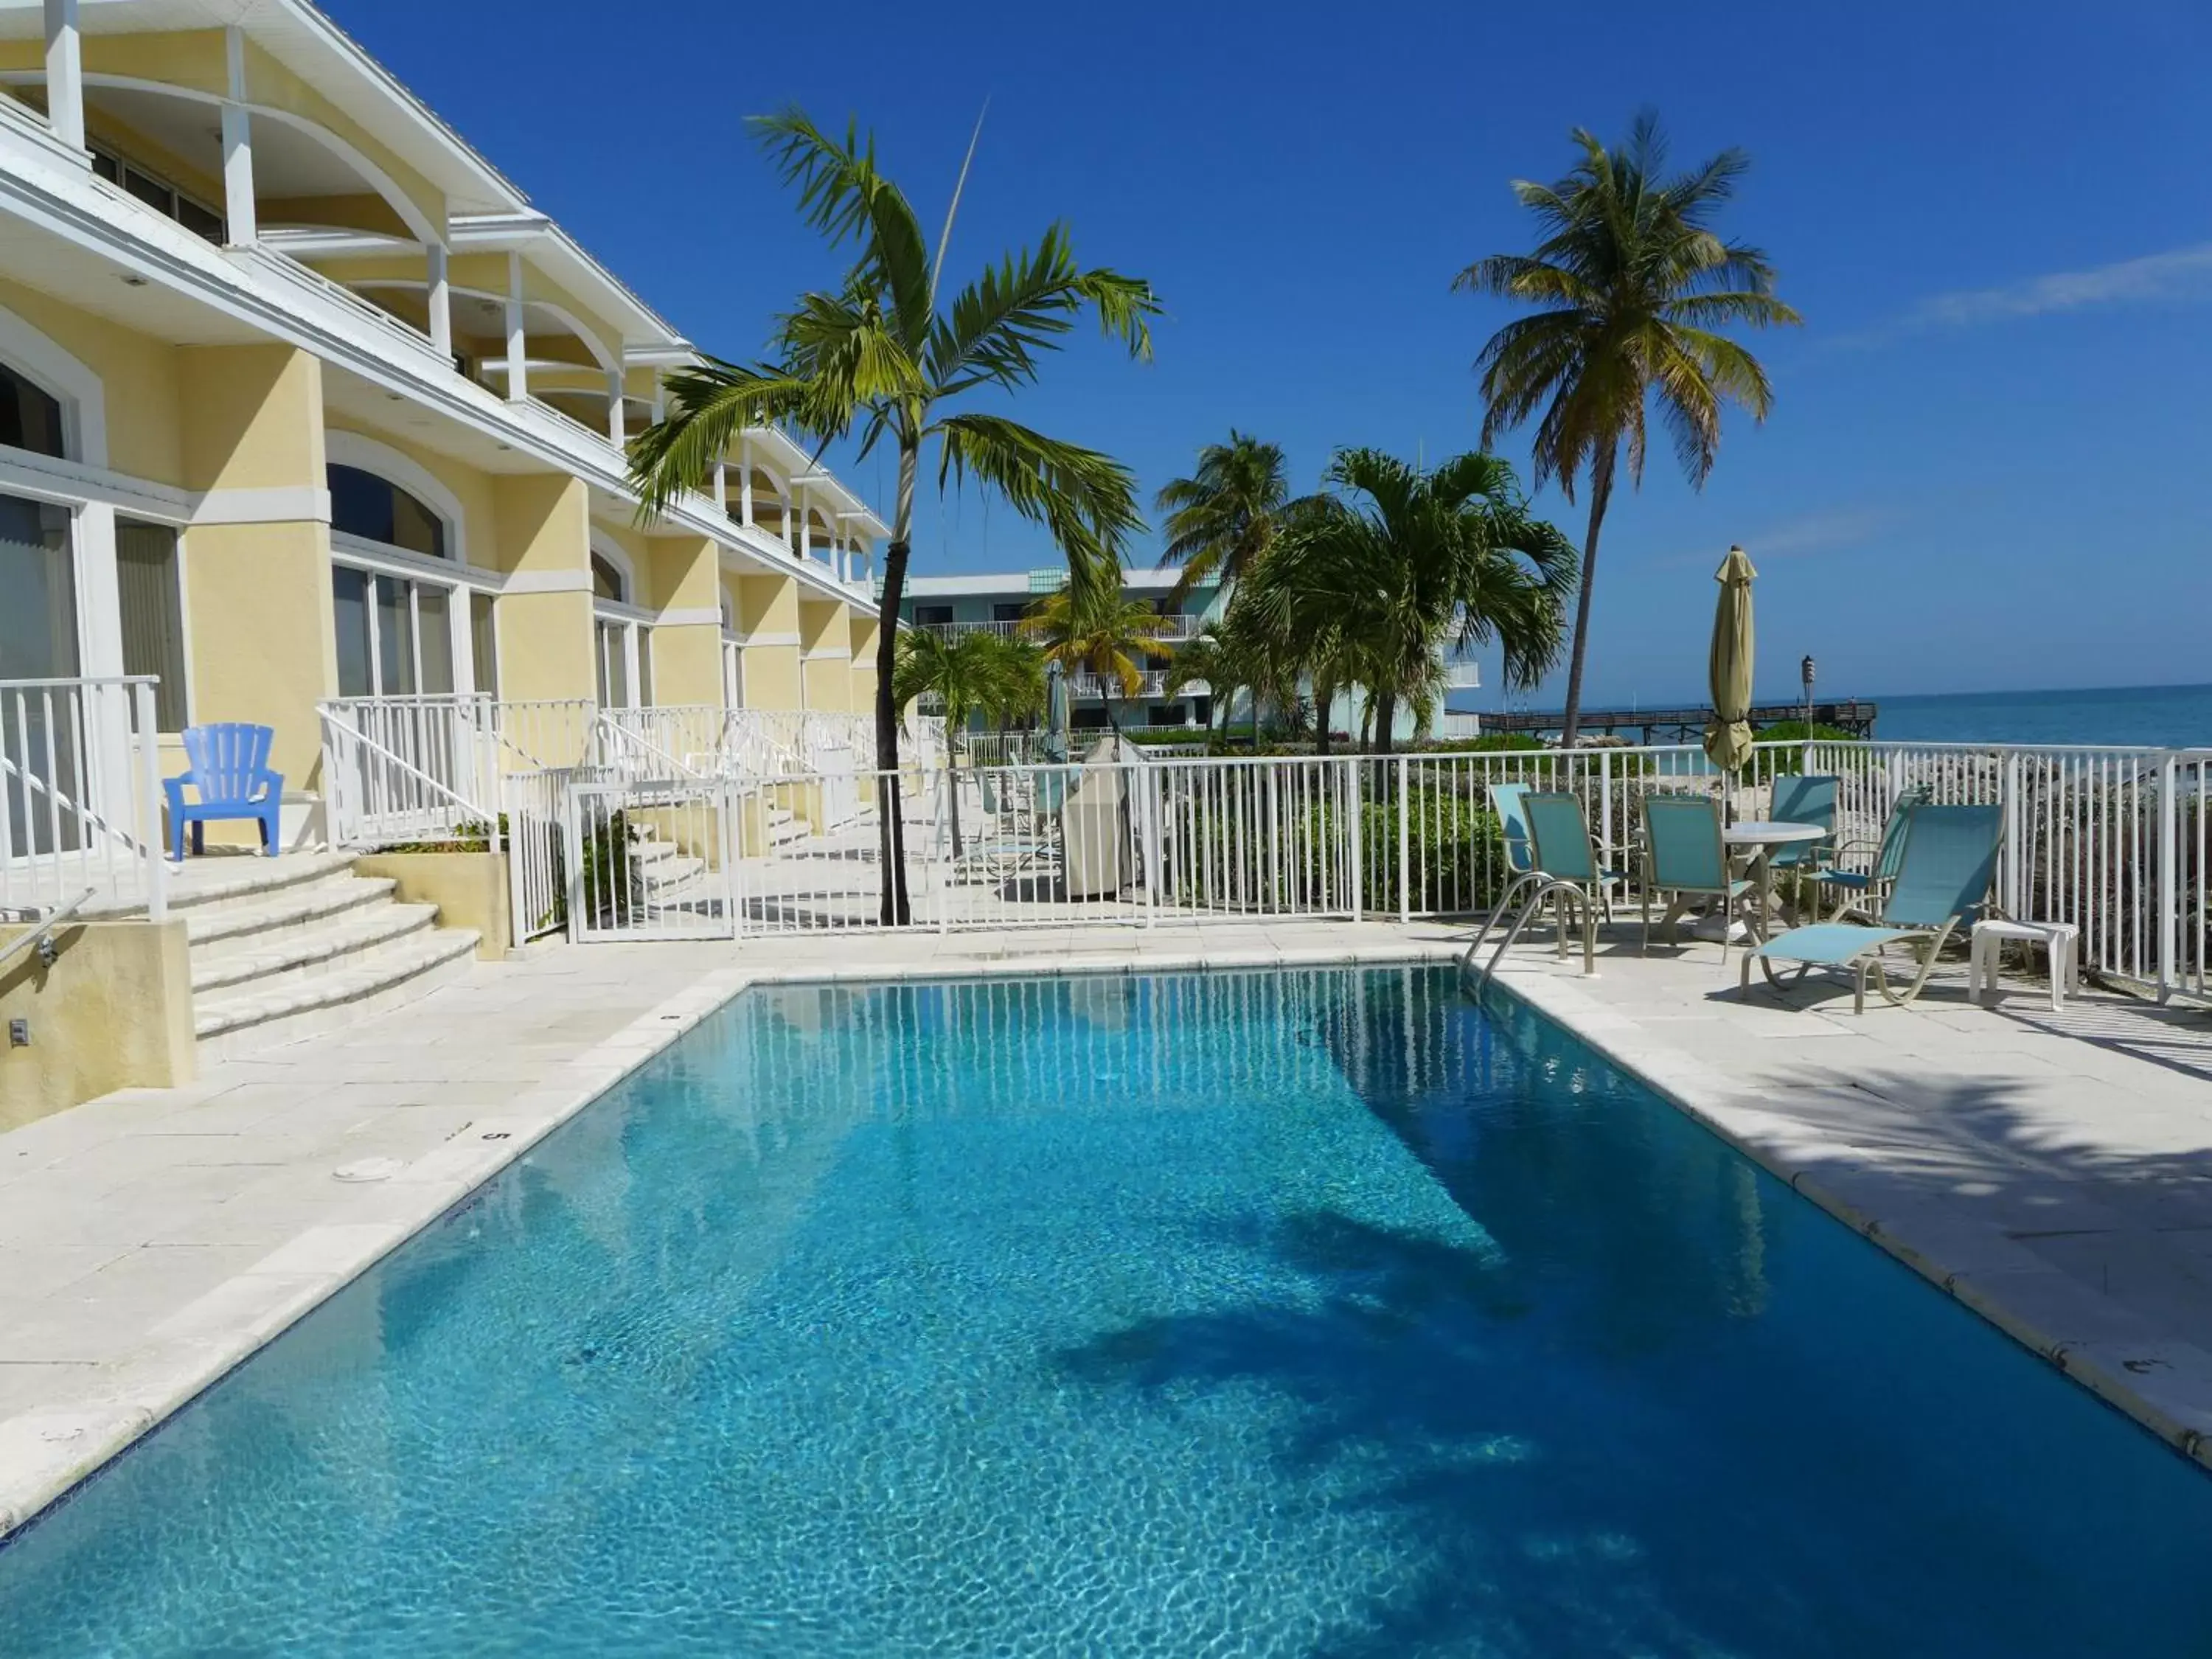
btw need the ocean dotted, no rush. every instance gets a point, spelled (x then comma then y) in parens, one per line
(2158, 716)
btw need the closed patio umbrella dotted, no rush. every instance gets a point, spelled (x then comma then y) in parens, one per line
(1055, 746)
(1727, 734)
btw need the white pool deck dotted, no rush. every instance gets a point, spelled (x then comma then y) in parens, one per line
(2052, 1171)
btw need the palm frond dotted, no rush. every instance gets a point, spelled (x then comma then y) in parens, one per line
(842, 195)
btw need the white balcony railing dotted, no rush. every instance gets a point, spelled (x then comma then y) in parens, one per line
(1173, 628)
(80, 797)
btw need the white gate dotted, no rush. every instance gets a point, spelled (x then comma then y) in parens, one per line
(651, 858)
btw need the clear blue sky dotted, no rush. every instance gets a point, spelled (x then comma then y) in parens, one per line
(1986, 461)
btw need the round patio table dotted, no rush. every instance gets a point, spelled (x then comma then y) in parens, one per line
(1759, 837)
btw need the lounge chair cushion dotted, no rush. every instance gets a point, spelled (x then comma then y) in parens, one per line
(1832, 944)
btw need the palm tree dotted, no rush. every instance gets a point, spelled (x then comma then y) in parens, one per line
(965, 675)
(1222, 518)
(1369, 586)
(1091, 628)
(1634, 281)
(1017, 690)
(1211, 659)
(880, 352)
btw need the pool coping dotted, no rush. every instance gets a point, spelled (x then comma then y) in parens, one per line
(44, 1457)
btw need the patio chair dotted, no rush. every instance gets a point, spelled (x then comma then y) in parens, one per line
(1567, 873)
(1809, 798)
(1506, 800)
(1856, 888)
(1943, 871)
(231, 775)
(1005, 846)
(1685, 859)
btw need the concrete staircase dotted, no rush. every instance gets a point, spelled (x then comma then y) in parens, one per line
(302, 944)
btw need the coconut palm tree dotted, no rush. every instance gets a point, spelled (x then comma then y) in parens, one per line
(1016, 681)
(1223, 517)
(884, 353)
(1634, 283)
(1367, 587)
(1091, 628)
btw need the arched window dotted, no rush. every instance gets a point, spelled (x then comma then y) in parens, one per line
(608, 581)
(30, 417)
(375, 509)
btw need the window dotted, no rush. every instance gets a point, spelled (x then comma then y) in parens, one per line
(613, 639)
(1171, 713)
(377, 510)
(395, 636)
(153, 615)
(1006, 611)
(29, 418)
(38, 619)
(483, 642)
(932, 616)
(607, 581)
(158, 193)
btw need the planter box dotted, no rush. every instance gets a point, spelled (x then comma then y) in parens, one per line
(469, 888)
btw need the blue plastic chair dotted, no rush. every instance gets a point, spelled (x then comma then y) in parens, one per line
(1943, 872)
(230, 771)
(1685, 859)
(1807, 798)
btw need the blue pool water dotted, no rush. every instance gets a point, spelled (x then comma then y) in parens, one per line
(1298, 1313)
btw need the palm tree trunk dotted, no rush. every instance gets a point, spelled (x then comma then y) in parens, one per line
(1386, 718)
(894, 910)
(1601, 492)
(1324, 695)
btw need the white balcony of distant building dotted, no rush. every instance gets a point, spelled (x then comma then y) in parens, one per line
(1174, 629)
(1091, 688)
(1462, 676)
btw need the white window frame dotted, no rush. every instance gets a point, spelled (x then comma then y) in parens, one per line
(454, 573)
(623, 622)
(734, 657)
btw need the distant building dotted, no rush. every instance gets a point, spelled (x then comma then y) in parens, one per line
(998, 601)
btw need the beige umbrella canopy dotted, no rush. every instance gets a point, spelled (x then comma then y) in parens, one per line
(1727, 734)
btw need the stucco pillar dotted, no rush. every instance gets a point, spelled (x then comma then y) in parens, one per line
(544, 616)
(258, 552)
(862, 629)
(682, 580)
(768, 616)
(826, 654)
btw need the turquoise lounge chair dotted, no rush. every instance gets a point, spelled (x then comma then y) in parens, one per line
(230, 774)
(1520, 870)
(1685, 859)
(1853, 888)
(1949, 856)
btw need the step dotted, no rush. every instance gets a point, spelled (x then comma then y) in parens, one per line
(664, 874)
(251, 1018)
(205, 883)
(305, 949)
(312, 908)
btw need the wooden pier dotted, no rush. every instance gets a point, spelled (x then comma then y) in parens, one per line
(1660, 726)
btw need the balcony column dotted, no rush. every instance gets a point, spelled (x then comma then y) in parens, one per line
(806, 544)
(745, 483)
(65, 73)
(615, 414)
(441, 300)
(518, 370)
(241, 228)
(721, 487)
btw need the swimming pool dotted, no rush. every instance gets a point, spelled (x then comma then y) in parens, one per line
(1307, 1313)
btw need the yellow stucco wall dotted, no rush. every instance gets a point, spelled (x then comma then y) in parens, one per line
(681, 572)
(138, 376)
(260, 624)
(113, 1011)
(768, 611)
(543, 527)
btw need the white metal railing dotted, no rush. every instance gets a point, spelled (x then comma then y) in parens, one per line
(80, 795)
(375, 794)
(2114, 841)
(1151, 683)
